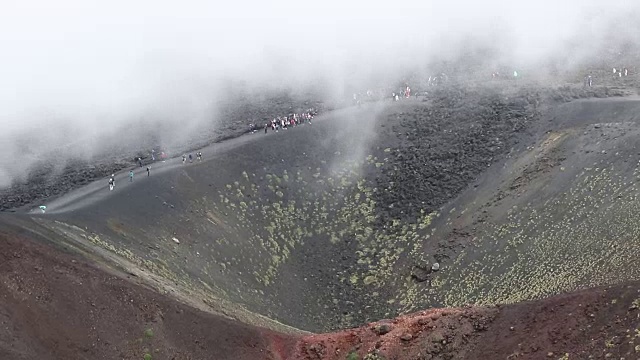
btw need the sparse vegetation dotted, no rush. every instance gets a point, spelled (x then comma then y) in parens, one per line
(374, 355)
(356, 228)
(353, 356)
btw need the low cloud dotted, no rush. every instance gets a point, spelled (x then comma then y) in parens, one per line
(73, 71)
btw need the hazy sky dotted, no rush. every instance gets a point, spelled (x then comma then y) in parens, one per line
(84, 56)
(94, 63)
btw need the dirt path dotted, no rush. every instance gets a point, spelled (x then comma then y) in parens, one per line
(96, 190)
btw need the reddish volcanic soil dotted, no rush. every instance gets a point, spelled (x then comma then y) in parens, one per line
(598, 323)
(54, 305)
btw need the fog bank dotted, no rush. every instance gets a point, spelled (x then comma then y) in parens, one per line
(73, 71)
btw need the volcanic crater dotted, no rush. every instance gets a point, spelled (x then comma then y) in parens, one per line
(465, 196)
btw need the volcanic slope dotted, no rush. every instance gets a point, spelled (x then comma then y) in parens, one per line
(55, 305)
(292, 225)
(558, 217)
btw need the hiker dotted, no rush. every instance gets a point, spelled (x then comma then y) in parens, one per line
(199, 155)
(626, 72)
(184, 158)
(266, 126)
(140, 161)
(112, 183)
(131, 176)
(590, 80)
(43, 208)
(153, 155)
(190, 158)
(148, 168)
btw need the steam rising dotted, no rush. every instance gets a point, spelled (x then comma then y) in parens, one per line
(75, 73)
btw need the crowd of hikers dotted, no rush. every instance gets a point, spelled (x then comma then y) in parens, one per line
(617, 73)
(112, 178)
(442, 79)
(284, 122)
(403, 92)
(198, 157)
(276, 124)
(620, 72)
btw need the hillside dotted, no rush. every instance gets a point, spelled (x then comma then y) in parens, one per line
(264, 216)
(481, 196)
(57, 305)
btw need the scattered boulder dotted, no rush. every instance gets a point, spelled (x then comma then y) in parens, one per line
(381, 329)
(435, 267)
(317, 351)
(437, 337)
(406, 337)
(420, 274)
